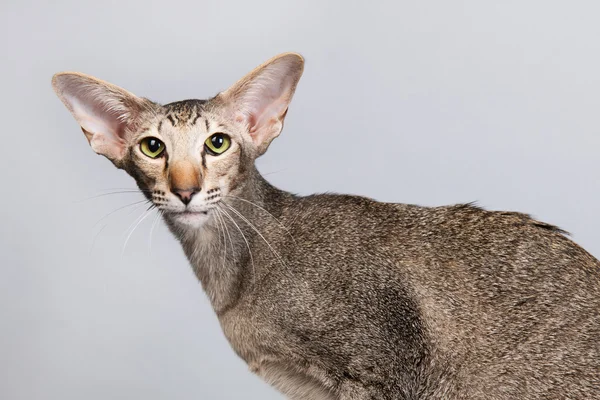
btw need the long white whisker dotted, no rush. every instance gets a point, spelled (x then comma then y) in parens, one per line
(135, 221)
(138, 203)
(158, 214)
(274, 172)
(146, 214)
(271, 215)
(221, 229)
(225, 229)
(96, 237)
(120, 208)
(108, 194)
(245, 240)
(228, 234)
(257, 231)
(129, 188)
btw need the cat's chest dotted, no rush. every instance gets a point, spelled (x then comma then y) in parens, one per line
(266, 323)
(250, 335)
(274, 357)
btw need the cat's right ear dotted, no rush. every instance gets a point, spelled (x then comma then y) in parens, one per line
(105, 112)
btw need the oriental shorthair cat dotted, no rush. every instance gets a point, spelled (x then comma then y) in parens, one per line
(344, 297)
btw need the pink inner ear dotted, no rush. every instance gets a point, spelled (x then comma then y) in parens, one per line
(98, 114)
(261, 98)
(97, 121)
(267, 114)
(99, 109)
(105, 128)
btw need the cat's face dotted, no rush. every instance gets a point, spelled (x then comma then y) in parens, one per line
(186, 156)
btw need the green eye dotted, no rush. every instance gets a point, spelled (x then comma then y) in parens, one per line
(217, 144)
(152, 147)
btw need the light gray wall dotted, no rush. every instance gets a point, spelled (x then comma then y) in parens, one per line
(428, 102)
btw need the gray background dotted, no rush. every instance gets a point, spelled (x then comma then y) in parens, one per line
(428, 102)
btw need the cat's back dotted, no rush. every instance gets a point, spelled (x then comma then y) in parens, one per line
(463, 238)
(493, 254)
(509, 304)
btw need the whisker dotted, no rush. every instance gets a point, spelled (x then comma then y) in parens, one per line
(228, 234)
(120, 208)
(138, 203)
(258, 232)
(245, 240)
(139, 221)
(224, 239)
(130, 188)
(107, 194)
(271, 215)
(135, 220)
(158, 214)
(275, 172)
(96, 237)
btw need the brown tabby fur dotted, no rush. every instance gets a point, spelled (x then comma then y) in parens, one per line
(343, 297)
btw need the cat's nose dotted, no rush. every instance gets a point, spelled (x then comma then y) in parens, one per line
(185, 195)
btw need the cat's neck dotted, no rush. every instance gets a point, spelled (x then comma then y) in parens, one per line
(222, 252)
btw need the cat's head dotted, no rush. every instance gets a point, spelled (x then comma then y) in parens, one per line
(187, 155)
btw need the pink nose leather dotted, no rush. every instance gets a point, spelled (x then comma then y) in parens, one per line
(185, 195)
(185, 180)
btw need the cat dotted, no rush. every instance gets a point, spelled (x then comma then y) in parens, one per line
(343, 297)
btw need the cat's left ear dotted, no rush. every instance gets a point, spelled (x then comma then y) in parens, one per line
(260, 99)
(105, 112)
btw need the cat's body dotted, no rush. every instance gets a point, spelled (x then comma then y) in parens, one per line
(341, 297)
(388, 301)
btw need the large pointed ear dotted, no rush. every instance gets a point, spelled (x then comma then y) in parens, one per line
(260, 99)
(105, 112)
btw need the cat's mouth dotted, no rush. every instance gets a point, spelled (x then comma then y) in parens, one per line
(190, 218)
(188, 212)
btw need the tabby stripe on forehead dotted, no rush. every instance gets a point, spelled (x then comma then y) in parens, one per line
(197, 116)
(160, 125)
(207, 124)
(170, 118)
